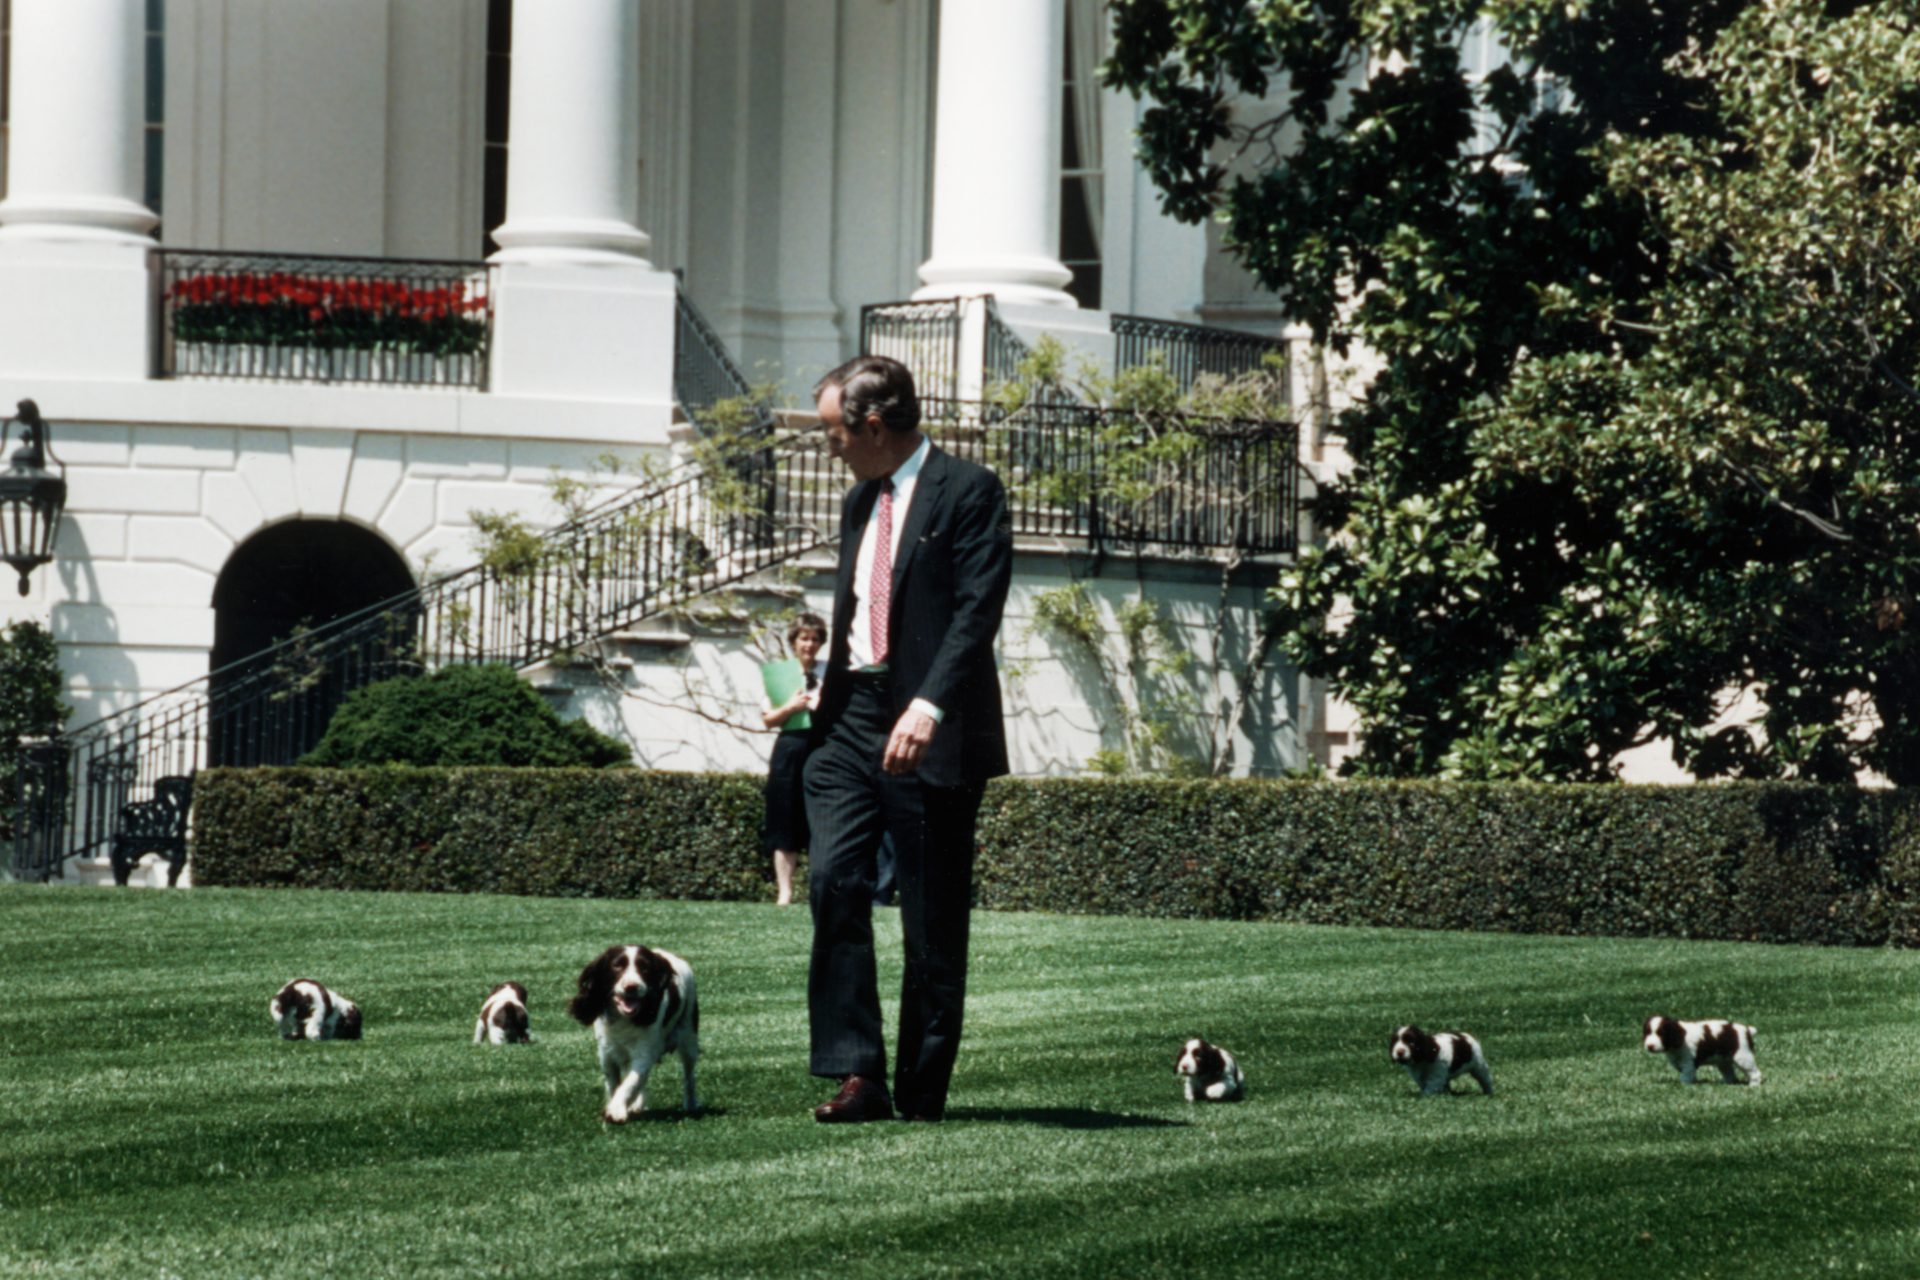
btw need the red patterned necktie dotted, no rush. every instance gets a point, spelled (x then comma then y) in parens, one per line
(880, 587)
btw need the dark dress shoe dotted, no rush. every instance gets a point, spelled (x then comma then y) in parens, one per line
(858, 1101)
(922, 1117)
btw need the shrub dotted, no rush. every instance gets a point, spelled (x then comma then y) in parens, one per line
(1760, 862)
(479, 716)
(30, 704)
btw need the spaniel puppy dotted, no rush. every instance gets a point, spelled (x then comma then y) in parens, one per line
(1211, 1074)
(503, 1017)
(1434, 1060)
(306, 1010)
(1691, 1045)
(641, 1005)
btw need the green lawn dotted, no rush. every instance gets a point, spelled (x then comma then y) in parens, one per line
(153, 1125)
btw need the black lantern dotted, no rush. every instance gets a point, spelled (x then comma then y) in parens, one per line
(31, 499)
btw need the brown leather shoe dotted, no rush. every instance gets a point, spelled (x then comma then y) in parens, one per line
(860, 1099)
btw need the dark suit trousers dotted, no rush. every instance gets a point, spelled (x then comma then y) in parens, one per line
(850, 802)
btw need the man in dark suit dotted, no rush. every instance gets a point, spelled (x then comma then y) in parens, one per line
(910, 730)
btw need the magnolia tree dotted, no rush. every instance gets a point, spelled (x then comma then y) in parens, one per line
(1647, 433)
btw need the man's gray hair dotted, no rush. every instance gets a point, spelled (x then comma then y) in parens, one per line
(871, 385)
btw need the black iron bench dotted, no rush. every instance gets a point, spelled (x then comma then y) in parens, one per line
(157, 826)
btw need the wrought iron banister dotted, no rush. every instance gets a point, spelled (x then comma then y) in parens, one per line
(957, 347)
(1082, 472)
(1003, 349)
(924, 336)
(706, 374)
(310, 317)
(706, 380)
(1191, 350)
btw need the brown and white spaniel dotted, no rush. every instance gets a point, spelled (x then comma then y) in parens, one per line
(1692, 1045)
(1434, 1060)
(1209, 1073)
(642, 1006)
(503, 1017)
(307, 1010)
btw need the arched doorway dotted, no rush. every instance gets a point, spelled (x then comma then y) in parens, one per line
(304, 573)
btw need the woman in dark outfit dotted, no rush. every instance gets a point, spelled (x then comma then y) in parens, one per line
(786, 830)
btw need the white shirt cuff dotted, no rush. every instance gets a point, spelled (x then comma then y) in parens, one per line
(927, 708)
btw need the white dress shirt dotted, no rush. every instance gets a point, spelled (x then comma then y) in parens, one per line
(860, 632)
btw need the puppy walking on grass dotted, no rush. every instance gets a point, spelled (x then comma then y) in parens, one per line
(1434, 1060)
(1692, 1045)
(642, 1005)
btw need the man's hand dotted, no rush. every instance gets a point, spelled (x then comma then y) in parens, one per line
(908, 744)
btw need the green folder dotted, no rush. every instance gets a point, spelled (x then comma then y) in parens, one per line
(783, 679)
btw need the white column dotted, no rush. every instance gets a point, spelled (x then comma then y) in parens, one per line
(996, 165)
(810, 338)
(579, 311)
(77, 102)
(573, 177)
(76, 288)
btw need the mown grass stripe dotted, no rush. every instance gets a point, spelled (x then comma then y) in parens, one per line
(153, 1125)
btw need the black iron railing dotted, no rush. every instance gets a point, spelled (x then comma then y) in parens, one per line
(41, 805)
(945, 343)
(1002, 350)
(303, 317)
(734, 422)
(932, 339)
(1190, 351)
(1154, 488)
(706, 376)
(924, 336)
(1074, 470)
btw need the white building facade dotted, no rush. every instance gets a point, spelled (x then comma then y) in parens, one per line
(547, 179)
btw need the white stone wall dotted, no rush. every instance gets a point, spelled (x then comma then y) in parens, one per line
(1153, 266)
(1062, 708)
(155, 508)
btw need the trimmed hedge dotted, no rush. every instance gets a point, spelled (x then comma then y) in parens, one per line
(555, 832)
(1776, 863)
(1772, 863)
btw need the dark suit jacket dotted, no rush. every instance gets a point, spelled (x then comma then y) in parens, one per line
(950, 579)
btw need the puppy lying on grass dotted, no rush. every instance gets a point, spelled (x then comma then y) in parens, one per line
(307, 1010)
(503, 1017)
(1210, 1073)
